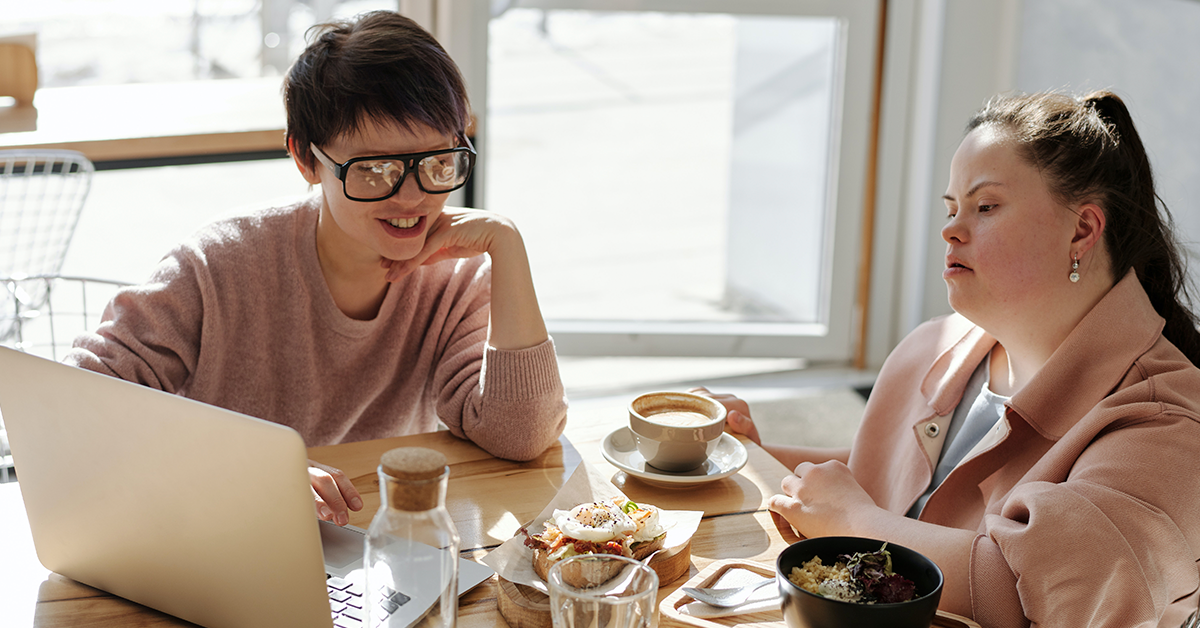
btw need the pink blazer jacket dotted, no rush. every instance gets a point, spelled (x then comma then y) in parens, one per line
(1085, 497)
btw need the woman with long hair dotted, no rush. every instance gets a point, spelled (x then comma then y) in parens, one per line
(1042, 443)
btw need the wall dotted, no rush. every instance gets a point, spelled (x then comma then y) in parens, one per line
(1148, 53)
(946, 57)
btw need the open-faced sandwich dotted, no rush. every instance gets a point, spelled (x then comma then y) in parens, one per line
(618, 526)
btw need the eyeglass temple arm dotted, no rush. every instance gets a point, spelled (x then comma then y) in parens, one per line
(323, 158)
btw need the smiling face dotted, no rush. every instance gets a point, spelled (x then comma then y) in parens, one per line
(1009, 241)
(394, 228)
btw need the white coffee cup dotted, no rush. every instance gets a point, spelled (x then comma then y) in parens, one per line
(676, 431)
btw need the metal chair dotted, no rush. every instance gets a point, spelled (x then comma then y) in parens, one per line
(41, 196)
(69, 307)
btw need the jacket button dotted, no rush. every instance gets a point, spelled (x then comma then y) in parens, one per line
(932, 430)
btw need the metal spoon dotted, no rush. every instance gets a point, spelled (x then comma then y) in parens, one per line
(727, 597)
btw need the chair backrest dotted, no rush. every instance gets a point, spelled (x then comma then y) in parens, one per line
(41, 196)
(18, 71)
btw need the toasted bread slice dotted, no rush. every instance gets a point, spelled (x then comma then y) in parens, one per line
(542, 564)
(643, 550)
(581, 574)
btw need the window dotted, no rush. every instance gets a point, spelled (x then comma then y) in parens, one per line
(102, 42)
(688, 183)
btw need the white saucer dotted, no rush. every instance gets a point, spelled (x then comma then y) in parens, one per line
(621, 450)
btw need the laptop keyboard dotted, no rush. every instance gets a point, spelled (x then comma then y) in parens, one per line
(346, 603)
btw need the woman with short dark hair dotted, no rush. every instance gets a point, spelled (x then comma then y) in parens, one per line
(369, 310)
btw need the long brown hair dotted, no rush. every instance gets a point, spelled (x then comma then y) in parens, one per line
(1089, 151)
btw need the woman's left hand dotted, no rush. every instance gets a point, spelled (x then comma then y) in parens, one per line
(737, 417)
(515, 321)
(457, 232)
(823, 499)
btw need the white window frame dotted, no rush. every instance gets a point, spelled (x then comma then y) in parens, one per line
(461, 25)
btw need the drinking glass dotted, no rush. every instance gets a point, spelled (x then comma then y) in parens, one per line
(624, 600)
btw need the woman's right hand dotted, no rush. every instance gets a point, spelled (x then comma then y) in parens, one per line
(737, 417)
(333, 493)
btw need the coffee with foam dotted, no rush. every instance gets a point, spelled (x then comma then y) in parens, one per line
(679, 418)
(675, 432)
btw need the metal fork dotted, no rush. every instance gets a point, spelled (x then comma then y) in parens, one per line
(727, 597)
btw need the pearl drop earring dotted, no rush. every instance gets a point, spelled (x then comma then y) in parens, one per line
(1075, 269)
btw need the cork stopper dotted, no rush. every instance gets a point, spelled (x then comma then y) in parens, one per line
(415, 477)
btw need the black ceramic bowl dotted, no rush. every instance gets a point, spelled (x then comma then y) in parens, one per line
(802, 609)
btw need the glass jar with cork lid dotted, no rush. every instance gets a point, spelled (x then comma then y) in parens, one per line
(412, 544)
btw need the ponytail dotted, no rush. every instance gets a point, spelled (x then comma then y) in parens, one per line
(1089, 151)
(1141, 230)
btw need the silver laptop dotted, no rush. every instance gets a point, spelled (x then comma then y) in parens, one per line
(185, 507)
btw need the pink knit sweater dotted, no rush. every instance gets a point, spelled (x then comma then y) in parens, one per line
(239, 316)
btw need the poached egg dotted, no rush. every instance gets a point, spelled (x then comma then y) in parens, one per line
(597, 522)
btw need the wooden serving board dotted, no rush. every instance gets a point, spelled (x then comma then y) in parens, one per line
(670, 607)
(526, 607)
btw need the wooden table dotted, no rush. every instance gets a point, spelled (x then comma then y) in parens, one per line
(147, 124)
(487, 497)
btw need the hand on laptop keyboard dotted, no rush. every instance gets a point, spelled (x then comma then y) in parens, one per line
(333, 493)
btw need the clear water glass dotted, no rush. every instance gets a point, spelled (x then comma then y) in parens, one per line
(625, 601)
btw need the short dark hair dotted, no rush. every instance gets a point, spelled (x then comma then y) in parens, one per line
(1089, 152)
(380, 66)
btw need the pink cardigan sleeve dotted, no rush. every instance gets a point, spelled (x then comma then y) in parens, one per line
(150, 333)
(509, 402)
(1101, 548)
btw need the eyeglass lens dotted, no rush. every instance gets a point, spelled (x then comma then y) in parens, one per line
(373, 179)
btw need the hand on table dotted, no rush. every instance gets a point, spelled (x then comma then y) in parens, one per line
(823, 500)
(737, 414)
(333, 493)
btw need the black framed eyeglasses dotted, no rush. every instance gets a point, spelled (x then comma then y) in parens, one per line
(379, 177)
